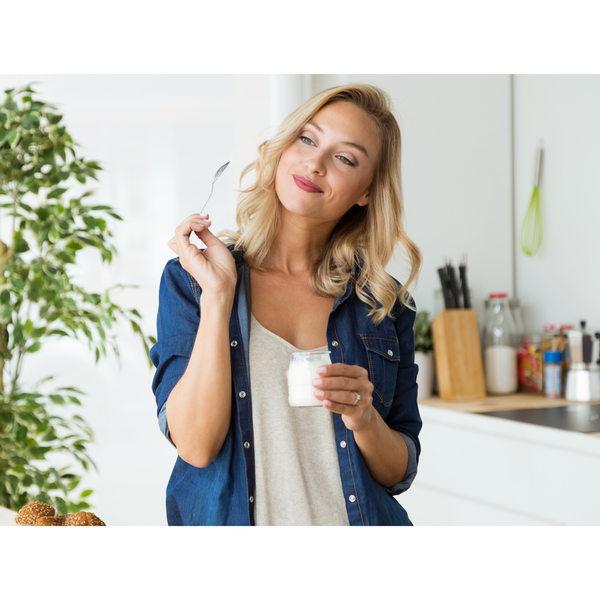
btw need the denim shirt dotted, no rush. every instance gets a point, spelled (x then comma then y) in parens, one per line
(223, 492)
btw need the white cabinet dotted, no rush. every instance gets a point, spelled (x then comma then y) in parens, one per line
(480, 470)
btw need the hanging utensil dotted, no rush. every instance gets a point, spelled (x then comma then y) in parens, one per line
(217, 175)
(531, 232)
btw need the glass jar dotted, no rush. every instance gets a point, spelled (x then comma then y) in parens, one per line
(302, 370)
(500, 347)
(530, 363)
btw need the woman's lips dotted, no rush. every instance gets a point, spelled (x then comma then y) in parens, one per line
(306, 185)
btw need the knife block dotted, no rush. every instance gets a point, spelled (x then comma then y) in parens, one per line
(457, 353)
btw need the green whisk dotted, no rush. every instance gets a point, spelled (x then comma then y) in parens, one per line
(531, 232)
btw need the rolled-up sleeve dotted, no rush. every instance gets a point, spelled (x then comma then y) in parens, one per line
(404, 414)
(177, 325)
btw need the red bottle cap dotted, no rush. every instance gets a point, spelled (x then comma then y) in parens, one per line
(499, 295)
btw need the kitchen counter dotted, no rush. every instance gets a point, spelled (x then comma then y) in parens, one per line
(509, 402)
(479, 470)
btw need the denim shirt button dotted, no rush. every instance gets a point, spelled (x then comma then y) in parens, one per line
(251, 498)
(352, 498)
(234, 343)
(242, 394)
(390, 353)
(343, 444)
(246, 444)
(334, 343)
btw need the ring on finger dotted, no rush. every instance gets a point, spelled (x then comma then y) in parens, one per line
(357, 398)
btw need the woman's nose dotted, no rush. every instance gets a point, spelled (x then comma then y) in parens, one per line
(316, 163)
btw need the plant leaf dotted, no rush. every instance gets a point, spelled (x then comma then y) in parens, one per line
(14, 137)
(34, 347)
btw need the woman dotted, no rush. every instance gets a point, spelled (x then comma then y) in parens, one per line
(304, 271)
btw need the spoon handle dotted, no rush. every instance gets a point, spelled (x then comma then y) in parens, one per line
(217, 175)
(211, 191)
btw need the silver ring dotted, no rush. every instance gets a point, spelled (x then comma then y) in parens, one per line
(357, 399)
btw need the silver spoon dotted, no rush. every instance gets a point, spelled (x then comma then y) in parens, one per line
(217, 175)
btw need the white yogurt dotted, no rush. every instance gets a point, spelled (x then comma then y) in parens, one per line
(302, 371)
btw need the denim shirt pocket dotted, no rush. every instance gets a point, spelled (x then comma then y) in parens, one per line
(383, 356)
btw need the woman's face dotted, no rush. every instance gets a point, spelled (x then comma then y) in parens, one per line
(337, 151)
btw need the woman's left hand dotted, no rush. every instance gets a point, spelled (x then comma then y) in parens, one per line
(339, 385)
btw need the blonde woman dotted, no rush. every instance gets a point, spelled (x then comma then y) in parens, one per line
(304, 271)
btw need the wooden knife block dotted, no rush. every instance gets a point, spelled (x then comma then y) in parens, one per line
(458, 355)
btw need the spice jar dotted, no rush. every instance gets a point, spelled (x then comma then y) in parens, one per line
(553, 374)
(500, 347)
(530, 363)
(552, 341)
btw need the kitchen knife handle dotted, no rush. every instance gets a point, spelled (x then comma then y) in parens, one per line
(449, 303)
(453, 286)
(465, 286)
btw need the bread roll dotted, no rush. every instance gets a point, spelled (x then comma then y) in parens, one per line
(38, 513)
(32, 511)
(83, 518)
(48, 522)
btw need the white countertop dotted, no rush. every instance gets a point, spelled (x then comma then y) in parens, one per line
(7, 516)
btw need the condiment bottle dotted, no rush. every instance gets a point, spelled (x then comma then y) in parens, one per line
(564, 347)
(553, 374)
(530, 363)
(551, 340)
(500, 347)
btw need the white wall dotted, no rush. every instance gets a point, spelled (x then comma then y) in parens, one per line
(456, 175)
(559, 284)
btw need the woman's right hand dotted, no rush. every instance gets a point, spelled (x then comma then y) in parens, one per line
(214, 268)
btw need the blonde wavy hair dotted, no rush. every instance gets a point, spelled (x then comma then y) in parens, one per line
(366, 236)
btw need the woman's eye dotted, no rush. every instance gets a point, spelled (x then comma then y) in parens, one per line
(344, 159)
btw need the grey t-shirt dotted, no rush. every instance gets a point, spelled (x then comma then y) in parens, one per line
(297, 473)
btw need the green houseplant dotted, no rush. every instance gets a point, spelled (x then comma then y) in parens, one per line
(423, 353)
(46, 221)
(422, 330)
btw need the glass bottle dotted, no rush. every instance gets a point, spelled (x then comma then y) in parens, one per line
(500, 347)
(517, 314)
